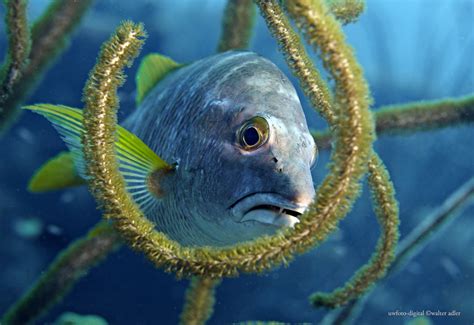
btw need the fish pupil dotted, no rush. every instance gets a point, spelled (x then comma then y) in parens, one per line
(251, 136)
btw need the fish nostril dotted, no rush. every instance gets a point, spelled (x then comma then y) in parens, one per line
(275, 160)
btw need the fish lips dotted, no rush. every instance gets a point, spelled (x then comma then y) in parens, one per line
(269, 209)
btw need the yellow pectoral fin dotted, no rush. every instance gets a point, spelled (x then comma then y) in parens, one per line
(137, 162)
(57, 173)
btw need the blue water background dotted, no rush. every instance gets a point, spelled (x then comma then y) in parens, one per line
(410, 50)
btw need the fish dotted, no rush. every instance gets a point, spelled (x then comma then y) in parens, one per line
(232, 132)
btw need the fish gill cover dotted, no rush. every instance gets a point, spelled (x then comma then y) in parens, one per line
(410, 51)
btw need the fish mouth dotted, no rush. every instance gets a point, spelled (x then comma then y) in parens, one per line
(270, 209)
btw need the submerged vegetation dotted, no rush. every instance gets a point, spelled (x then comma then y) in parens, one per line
(352, 130)
(31, 51)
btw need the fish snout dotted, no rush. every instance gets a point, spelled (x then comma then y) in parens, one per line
(296, 181)
(302, 196)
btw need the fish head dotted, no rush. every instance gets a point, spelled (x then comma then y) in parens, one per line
(252, 153)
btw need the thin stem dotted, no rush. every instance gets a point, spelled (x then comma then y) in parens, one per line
(413, 117)
(49, 37)
(433, 224)
(50, 33)
(386, 210)
(420, 116)
(199, 304)
(18, 51)
(297, 59)
(414, 242)
(68, 268)
(237, 25)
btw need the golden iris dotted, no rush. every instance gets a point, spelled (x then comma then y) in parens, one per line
(253, 133)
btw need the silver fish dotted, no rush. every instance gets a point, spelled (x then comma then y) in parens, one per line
(234, 127)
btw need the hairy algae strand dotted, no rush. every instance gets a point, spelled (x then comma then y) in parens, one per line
(199, 303)
(25, 64)
(263, 253)
(316, 89)
(17, 55)
(409, 118)
(237, 25)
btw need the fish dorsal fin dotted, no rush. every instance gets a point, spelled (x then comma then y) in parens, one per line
(136, 160)
(153, 68)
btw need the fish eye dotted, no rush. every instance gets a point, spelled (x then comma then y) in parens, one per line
(253, 133)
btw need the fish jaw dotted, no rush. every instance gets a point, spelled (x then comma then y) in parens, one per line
(269, 209)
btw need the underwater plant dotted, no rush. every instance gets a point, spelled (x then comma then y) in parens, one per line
(411, 245)
(346, 110)
(32, 50)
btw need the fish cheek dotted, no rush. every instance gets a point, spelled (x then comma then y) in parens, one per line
(247, 174)
(211, 187)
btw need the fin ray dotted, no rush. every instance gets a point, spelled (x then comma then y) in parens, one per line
(136, 160)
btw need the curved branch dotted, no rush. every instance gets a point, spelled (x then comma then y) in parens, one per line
(418, 238)
(386, 210)
(334, 198)
(297, 59)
